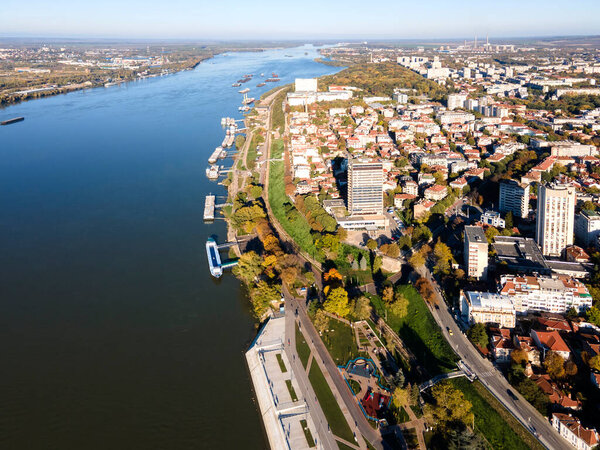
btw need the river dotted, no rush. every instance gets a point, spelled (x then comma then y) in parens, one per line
(112, 332)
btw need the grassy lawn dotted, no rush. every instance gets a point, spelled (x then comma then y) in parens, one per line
(417, 410)
(344, 446)
(277, 115)
(307, 434)
(340, 342)
(298, 229)
(329, 404)
(302, 347)
(420, 333)
(281, 363)
(498, 426)
(288, 383)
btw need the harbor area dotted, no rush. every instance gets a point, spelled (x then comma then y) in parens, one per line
(287, 420)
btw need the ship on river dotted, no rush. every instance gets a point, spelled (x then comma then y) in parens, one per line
(214, 259)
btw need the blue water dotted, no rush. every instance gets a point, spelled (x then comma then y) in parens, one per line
(113, 333)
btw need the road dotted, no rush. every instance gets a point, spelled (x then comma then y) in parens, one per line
(339, 388)
(492, 378)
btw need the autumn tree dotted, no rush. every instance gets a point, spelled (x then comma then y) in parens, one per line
(555, 365)
(249, 267)
(371, 244)
(400, 306)
(519, 357)
(321, 321)
(594, 363)
(417, 260)
(337, 302)
(388, 294)
(443, 256)
(449, 406)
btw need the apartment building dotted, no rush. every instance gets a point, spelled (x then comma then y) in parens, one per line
(555, 218)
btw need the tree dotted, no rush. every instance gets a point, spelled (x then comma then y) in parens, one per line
(594, 363)
(249, 267)
(508, 220)
(449, 407)
(388, 294)
(443, 256)
(289, 275)
(400, 306)
(491, 233)
(570, 368)
(462, 439)
(342, 234)
(594, 315)
(263, 295)
(400, 397)
(377, 263)
(519, 357)
(362, 308)
(255, 191)
(337, 302)
(332, 276)
(321, 321)
(392, 250)
(371, 244)
(417, 260)
(554, 365)
(478, 335)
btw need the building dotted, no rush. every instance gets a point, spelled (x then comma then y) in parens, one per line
(476, 252)
(570, 429)
(543, 293)
(514, 197)
(555, 218)
(587, 228)
(493, 219)
(436, 192)
(487, 307)
(365, 187)
(305, 85)
(410, 187)
(422, 208)
(550, 341)
(456, 101)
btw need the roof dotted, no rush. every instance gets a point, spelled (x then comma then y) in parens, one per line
(475, 234)
(588, 435)
(552, 340)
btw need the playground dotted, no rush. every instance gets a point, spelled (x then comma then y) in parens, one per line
(364, 381)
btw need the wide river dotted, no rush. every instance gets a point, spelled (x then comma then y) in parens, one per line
(113, 335)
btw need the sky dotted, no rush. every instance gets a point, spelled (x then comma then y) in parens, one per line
(302, 19)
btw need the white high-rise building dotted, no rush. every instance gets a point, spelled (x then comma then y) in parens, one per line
(365, 187)
(555, 218)
(587, 228)
(456, 101)
(476, 252)
(514, 197)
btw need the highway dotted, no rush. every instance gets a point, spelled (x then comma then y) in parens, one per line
(493, 379)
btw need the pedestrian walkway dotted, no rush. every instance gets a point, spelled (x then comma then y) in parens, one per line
(277, 391)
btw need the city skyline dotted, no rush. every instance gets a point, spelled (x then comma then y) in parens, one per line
(184, 19)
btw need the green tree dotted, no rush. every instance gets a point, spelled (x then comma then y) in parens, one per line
(377, 263)
(442, 255)
(417, 260)
(594, 315)
(478, 335)
(508, 220)
(372, 244)
(362, 308)
(337, 302)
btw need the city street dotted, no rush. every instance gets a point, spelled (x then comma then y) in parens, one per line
(491, 378)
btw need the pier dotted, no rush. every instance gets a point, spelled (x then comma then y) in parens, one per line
(209, 207)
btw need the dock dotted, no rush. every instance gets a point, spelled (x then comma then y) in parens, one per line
(214, 258)
(209, 207)
(216, 155)
(13, 120)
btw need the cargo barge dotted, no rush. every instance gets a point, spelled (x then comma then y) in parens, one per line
(13, 120)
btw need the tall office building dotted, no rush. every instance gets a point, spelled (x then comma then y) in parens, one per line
(514, 197)
(365, 187)
(555, 218)
(476, 252)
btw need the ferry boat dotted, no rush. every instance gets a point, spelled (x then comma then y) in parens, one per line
(236, 84)
(272, 80)
(248, 101)
(261, 84)
(244, 91)
(214, 259)
(248, 76)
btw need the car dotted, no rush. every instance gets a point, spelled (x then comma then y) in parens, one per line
(450, 332)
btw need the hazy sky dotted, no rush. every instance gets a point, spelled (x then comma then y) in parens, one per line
(233, 19)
